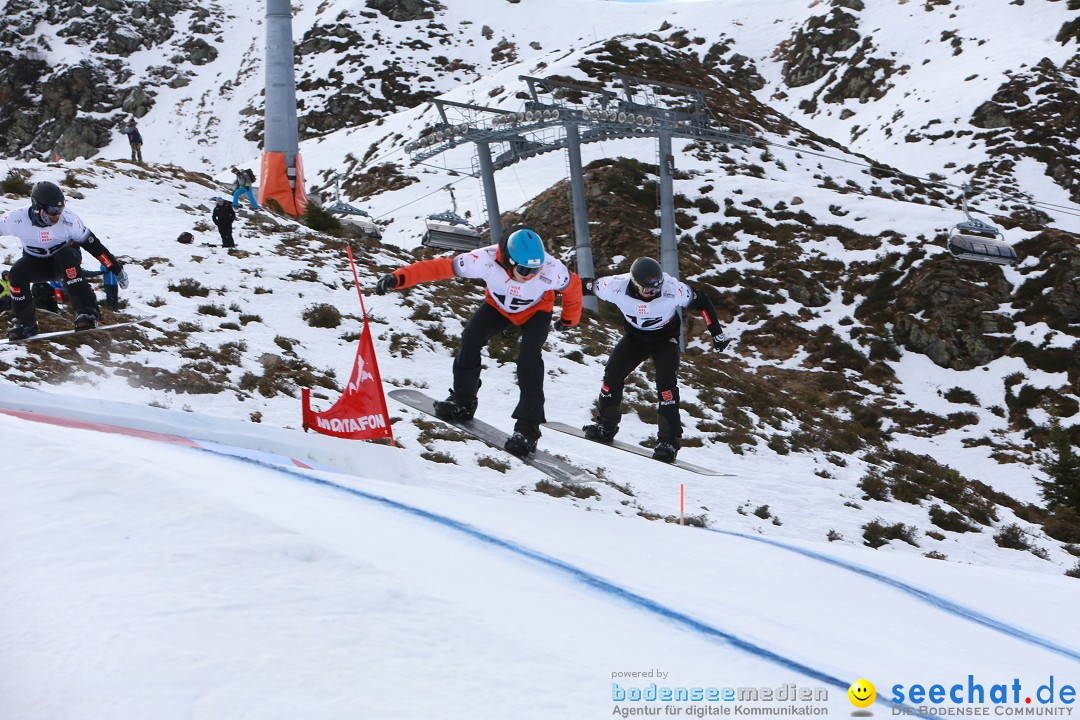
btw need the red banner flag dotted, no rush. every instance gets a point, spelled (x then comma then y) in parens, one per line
(360, 413)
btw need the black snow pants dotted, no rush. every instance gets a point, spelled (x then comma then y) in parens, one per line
(633, 349)
(485, 324)
(63, 265)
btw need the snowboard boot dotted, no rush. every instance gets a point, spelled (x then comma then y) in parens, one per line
(452, 409)
(86, 321)
(21, 331)
(665, 451)
(520, 445)
(601, 431)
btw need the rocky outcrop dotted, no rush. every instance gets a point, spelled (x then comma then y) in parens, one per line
(950, 312)
(19, 77)
(66, 98)
(808, 54)
(1035, 114)
(1052, 294)
(864, 77)
(405, 10)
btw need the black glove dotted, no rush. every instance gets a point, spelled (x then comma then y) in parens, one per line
(386, 284)
(588, 285)
(720, 341)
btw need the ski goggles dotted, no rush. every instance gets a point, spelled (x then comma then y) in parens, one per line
(52, 209)
(525, 270)
(649, 289)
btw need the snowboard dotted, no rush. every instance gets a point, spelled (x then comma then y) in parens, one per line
(636, 449)
(65, 333)
(546, 463)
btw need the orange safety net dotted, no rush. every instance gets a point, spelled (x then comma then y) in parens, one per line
(274, 184)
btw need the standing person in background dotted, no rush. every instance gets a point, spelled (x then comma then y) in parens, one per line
(112, 289)
(224, 216)
(649, 300)
(522, 280)
(53, 238)
(5, 292)
(244, 179)
(135, 139)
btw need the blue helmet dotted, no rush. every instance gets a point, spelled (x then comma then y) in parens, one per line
(525, 249)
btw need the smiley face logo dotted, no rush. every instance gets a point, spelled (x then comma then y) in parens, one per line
(862, 693)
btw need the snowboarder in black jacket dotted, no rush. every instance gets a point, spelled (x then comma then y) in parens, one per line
(224, 216)
(649, 300)
(51, 237)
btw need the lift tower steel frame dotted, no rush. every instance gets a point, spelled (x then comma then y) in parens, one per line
(553, 118)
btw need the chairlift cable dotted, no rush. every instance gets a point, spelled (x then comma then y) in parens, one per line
(441, 188)
(878, 168)
(462, 171)
(525, 197)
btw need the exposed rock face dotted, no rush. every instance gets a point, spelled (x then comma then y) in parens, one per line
(862, 79)
(951, 315)
(80, 89)
(405, 10)
(1036, 114)
(19, 76)
(808, 56)
(199, 52)
(137, 102)
(1052, 295)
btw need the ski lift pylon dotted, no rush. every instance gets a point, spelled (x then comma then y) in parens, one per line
(449, 231)
(352, 215)
(975, 240)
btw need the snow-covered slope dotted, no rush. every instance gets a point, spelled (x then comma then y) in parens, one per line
(170, 582)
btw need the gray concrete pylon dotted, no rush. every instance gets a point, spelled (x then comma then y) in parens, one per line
(582, 242)
(280, 124)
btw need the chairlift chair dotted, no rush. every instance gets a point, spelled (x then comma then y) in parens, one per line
(975, 240)
(352, 215)
(449, 231)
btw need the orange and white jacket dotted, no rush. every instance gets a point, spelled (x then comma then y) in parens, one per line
(518, 301)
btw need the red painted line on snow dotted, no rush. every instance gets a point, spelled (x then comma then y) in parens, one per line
(100, 427)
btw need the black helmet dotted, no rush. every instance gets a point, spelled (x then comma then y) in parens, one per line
(47, 196)
(647, 276)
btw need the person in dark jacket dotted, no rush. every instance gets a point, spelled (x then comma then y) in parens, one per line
(224, 216)
(135, 139)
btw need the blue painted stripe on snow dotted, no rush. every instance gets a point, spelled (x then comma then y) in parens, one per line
(578, 574)
(582, 576)
(927, 597)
